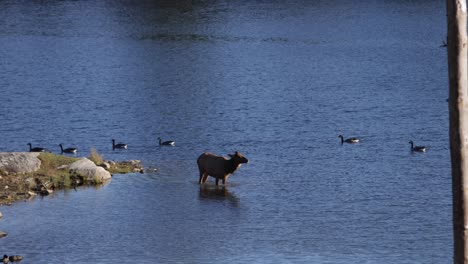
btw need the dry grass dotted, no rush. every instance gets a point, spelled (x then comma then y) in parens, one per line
(49, 171)
(50, 163)
(121, 168)
(96, 157)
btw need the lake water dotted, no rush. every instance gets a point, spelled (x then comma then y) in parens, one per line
(276, 81)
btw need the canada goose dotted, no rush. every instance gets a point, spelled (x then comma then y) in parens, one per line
(14, 258)
(68, 150)
(349, 140)
(31, 149)
(166, 143)
(417, 148)
(119, 145)
(5, 259)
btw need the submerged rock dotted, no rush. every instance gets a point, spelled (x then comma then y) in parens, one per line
(87, 169)
(19, 162)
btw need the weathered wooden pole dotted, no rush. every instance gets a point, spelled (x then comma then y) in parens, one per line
(458, 111)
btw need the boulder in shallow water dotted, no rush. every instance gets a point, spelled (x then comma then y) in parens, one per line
(19, 162)
(89, 171)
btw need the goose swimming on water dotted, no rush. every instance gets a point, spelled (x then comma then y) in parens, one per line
(13, 258)
(119, 145)
(31, 149)
(166, 143)
(67, 150)
(417, 148)
(352, 140)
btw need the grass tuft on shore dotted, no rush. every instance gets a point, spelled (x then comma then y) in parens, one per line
(50, 169)
(51, 163)
(121, 167)
(96, 157)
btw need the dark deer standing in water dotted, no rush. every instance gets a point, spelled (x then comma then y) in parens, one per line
(219, 167)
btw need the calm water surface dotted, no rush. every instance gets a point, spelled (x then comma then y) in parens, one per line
(277, 82)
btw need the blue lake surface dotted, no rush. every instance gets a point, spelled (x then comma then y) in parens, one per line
(276, 81)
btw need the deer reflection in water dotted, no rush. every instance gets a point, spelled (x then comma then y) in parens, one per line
(221, 193)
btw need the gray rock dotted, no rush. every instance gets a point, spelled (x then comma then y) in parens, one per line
(87, 169)
(19, 162)
(105, 165)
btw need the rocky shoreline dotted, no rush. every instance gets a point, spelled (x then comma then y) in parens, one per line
(25, 175)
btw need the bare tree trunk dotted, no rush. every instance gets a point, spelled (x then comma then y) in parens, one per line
(458, 110)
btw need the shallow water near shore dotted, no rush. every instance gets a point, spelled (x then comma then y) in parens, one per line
(277, 82)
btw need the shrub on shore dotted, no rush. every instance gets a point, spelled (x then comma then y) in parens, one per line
(96, 157)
